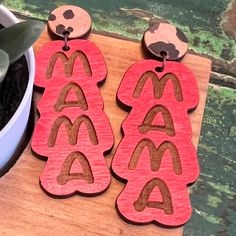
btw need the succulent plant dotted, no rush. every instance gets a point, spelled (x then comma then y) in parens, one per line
(15, 40)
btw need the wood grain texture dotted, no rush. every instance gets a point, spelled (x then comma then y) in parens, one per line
(28, 211)
(73, 131)
(69, 18)
(156, 157)
(166, 38)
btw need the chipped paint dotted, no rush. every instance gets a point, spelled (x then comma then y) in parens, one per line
(210, 218)
(222, 189)
(131, 18)
(213, 201)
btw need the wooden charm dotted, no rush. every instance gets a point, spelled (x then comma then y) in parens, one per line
(156, 156)
(69, 18)
(73, 131)
(166, 38)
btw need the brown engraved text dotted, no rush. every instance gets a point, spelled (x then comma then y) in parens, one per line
(156, 155)
(63, 103)
(143, 201)
(72, 130)
(68, 63)
(148, 125)
(159, 85)
(66, 175)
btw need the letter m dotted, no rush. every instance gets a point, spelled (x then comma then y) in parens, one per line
(72, 130)
(68, 63)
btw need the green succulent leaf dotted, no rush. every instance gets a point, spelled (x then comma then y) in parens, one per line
(16, 39)
(4, 64)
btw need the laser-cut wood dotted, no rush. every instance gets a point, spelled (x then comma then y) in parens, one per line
(66, 174)
(73, 132)
(68, 63)
(148, 125)
(80, 100)
(69, 18)
(156, 156)
(164, 37)
(25, 206)
(144, 202)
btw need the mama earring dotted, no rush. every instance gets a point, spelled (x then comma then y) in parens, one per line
(156, 157)
(73, 131)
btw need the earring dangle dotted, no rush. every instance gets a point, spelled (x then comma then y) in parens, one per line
(156, 157)
(73, 132)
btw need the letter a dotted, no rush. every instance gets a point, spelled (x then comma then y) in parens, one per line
(143, 201)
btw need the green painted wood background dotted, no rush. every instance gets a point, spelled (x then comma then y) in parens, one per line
(211, 28)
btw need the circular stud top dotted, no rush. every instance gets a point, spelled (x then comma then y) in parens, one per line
(166, 38)
(69, 18)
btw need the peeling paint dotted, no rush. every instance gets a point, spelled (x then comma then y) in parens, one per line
(198, 20)
(212, 219)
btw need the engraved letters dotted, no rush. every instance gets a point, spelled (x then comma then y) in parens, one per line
(156, 156)
(73, 132)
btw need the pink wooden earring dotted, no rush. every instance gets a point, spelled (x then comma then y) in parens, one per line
(156, 157)
(73, 131)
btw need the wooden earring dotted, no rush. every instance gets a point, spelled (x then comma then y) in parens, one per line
(73, 132)
(156, 157)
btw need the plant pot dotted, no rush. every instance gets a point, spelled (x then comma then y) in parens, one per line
(12, 134)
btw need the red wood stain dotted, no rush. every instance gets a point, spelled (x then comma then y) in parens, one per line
(73, 131)
(156, 156)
